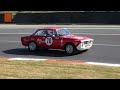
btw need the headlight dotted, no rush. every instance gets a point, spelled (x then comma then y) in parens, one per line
(82, 44)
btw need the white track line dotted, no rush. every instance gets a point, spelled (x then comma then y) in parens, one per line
(93, 63)
(103, 64)
(27, 59)
(106, 45)
(73, 33)
(96, 34)
(69, 27)
(10, 41)
(110, 28)
(15, 33)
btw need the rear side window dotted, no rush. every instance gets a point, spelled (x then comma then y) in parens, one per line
(39, 33)
(45, 33)
(49, 33)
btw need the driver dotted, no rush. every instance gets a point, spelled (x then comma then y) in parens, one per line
(50, 33)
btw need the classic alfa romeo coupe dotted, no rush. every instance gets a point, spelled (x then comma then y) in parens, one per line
(56, 38)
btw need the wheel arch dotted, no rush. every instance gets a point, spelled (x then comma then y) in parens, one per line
(37, 47)
(68, 43)
(31, 41)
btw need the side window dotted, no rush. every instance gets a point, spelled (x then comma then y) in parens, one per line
(49, 33)
(39, 33)
(60, 32)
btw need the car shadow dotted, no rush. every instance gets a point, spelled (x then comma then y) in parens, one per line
(25, 51)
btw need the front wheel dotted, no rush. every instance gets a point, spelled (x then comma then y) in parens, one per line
(32, 46)
(70, 49)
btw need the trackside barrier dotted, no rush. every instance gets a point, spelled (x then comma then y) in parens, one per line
(68, 17)
(1, 18)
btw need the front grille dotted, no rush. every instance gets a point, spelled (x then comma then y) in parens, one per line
(86, 42)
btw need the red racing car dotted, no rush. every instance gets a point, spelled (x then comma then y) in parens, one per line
(56, 38)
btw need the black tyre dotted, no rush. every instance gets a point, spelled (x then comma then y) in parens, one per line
(70, 49)
(32, 46)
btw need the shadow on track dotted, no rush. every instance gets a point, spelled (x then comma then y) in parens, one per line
(24, 51)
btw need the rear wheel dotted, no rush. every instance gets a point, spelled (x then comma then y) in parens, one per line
(70, 49)
(32, 46)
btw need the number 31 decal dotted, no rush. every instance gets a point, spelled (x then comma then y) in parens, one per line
(48, 41)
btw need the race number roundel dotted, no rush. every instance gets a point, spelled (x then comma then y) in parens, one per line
(48, 41)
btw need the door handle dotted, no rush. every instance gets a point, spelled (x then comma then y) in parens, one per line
(56, 37)
(43, 37)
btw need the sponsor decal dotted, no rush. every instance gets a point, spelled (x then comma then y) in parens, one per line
(61, 42)
(39, 41)
(32, 38)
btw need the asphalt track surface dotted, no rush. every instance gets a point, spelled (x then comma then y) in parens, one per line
(106, 48)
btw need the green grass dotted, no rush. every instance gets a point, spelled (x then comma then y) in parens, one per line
(55, 70)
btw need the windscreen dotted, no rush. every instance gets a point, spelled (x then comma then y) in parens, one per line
(63, 32)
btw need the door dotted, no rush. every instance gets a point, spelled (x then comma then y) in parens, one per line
(57, 42)
(48, 39)
(40, 40)
(52, 41)
(40, 37)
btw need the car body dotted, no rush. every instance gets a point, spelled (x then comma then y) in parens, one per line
(56, 38)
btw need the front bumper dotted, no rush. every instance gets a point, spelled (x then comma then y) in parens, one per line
(85, 46)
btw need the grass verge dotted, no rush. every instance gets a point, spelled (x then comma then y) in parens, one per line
(55, 70)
